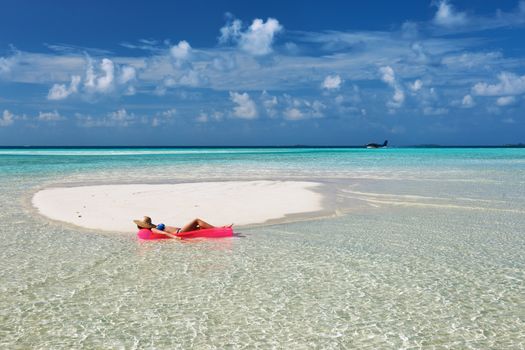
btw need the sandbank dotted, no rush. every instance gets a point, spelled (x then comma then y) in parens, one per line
(113, 207)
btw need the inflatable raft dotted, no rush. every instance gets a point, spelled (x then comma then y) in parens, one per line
(216, 232)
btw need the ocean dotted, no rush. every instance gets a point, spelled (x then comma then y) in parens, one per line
(418, 248)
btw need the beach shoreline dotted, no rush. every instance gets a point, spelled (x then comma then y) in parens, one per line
(244, 203)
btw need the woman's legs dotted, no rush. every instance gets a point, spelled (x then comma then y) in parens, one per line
(196, 224)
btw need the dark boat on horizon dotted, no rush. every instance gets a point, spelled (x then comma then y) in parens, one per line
(377, 145)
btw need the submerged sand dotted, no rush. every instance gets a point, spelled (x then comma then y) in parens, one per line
(113, 207)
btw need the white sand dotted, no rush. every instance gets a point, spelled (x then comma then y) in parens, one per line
(113, 207)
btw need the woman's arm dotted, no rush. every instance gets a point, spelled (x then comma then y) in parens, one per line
(154, 230)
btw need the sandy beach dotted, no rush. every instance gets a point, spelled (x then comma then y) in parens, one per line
(113, 207)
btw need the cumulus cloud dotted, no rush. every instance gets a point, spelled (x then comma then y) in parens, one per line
(181, 51)
(270, 104)
(183, 71)
(505, 100)
(416, 85)
(447, 16)
(102, 82)
(509, 84)
(7, 118)
(257, 39)
(102, 78)
(245, 108)
(332, 82)
(121, 117)
(398, 98)
(389, 77)
(293, 114)
(61, 91)
(467, 101)
(127, 74)
(49, 116)
(7, 63)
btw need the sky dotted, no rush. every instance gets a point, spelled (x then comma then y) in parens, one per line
(241, 73)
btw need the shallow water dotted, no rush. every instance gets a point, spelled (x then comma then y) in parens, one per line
(427, 251)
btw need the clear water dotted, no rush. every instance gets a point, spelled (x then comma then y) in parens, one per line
(427, 250)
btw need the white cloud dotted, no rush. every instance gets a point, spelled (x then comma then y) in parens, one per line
(7, 63)
(509, 84)
(118, 118)
(472, 60)
(191, 78)
(206, 117)
(256, 40)
(121, 117)
(60, 91)
(104, 78)
(182, 71)
(447, 16)
(293, 114)
(467, 101)
(298, 109)
(270, 104)
(49, 116)
(170, 113)
(231, 31)
(416, 85)
(104, 82)
(332, 82)
(245, 108)
(127, 74)
(7, 119)
(389, 77)
(181, 51)
(399, 97)
(505, 100)
(163, 117)
(95, 82)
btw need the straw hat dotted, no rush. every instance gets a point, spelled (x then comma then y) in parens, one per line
(145, 223)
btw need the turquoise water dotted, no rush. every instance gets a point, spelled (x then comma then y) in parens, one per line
(425, 249)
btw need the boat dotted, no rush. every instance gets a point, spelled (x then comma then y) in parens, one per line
(377, 145)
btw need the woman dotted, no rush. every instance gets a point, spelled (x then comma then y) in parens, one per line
(170, 231)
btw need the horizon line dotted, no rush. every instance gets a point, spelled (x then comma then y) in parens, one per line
(516, 145)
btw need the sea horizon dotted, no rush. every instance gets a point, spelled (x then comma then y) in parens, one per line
(518, 145)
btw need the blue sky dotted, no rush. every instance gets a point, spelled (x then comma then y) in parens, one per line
(266, 73)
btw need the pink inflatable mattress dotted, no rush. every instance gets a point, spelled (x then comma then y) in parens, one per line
(216, 232)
